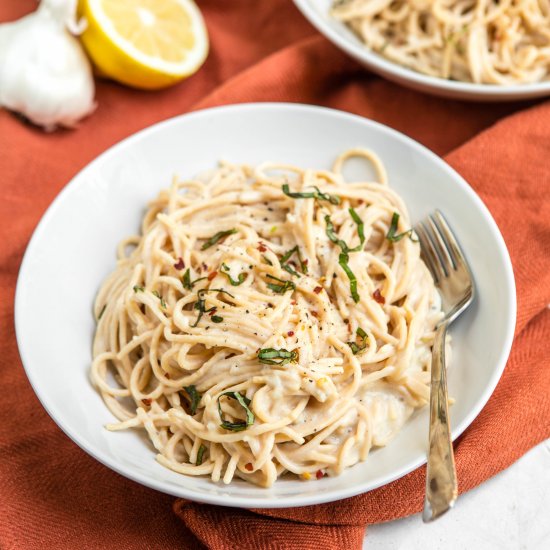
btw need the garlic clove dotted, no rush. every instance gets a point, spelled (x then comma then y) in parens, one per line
(44, 72)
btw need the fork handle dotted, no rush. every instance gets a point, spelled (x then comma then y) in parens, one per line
(441, 483)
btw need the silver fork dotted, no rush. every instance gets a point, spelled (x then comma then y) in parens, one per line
(453, 278)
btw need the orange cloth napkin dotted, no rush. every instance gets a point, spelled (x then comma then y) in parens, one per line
(53, 495)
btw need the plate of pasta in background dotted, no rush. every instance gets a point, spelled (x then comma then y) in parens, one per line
(250, 321)
(483, 51)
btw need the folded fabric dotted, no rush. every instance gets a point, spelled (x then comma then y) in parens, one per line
(56, 496)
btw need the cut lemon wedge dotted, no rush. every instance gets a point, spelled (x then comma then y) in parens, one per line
(147, 44)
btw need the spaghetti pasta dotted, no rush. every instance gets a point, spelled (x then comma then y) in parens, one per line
(267, 320)
(482, 41)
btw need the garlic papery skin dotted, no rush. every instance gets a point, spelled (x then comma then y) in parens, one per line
(44, 72)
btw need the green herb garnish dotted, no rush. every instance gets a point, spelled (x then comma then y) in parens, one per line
(200, 304)
(287, 255)
(200, 454)
(332, 235)
(102, 312)
(281, 288)
(358, 348)
(392, 236)
(267, 260)
(268, 356)
(240, 279)
(343, 261)
(187, 282)
(194, 396)
(360, 230)
(138, 288)
(162, 302)
(217, 237)
(240, 425)
(342, 244)
(317, 194)
(216, 318)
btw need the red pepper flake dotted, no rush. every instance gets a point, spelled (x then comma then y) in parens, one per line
(317, 289)
(179, 264)
(319, 474)
(378, 297)
(249, 467)
(167, 375)
(262, 247)
(315, 314)
(346, 321)
(147, 402)
(213, 311)
(293, 302)
(269, 304)
(212, 275)
(306, 261)
(290, 333)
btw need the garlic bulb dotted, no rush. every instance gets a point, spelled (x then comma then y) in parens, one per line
(44, 73)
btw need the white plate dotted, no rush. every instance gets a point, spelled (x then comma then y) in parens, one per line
(73, 249)
(317, 12)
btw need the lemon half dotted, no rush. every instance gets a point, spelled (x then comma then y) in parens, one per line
(147, 44)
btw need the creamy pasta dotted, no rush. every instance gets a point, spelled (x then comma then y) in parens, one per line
(482, 41)
(267, 320)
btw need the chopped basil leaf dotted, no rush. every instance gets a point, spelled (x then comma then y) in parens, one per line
(194, 396)
(343, 261)
(393, 237)
(358, 348)
(233, 282)
(200, 304)
(284, 259)
(360, 230)
(187, 282)
(342, 244)
(217, 237)
(138, 288)
(285, 286)
(102, 312)
(162, 302)
(332, 235)
(317, 194)
(268, 356)
(217, 319)
(240, 425)
(267, 260)
(200, 454)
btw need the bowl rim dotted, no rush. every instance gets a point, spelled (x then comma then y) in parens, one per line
(421, 81)
(235, 500)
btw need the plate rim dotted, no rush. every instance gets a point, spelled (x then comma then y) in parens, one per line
(280, 501)
(430, 84)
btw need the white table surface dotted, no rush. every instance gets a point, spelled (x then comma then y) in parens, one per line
(511, 511)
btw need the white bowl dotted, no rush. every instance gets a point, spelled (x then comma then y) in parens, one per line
(73, 249)
(317, 12)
